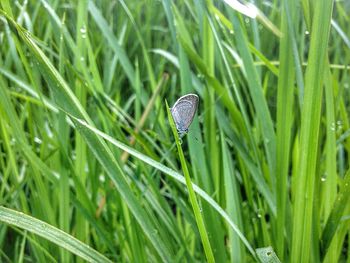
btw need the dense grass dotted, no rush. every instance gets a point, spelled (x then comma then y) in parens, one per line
(91, 166)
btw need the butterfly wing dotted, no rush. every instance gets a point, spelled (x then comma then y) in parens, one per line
(183, 111)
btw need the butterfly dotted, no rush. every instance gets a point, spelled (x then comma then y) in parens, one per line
(183, 112)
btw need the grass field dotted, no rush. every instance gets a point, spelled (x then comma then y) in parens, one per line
(92, 167)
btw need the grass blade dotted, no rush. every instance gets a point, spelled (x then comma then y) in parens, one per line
(309, 134)
(50, 233)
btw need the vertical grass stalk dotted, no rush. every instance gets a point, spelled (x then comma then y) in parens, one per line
(303, 238)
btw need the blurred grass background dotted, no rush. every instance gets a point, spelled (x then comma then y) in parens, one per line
(89, 167)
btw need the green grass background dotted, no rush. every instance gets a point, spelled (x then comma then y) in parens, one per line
(91, 166)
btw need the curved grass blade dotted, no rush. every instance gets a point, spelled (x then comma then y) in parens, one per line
(53, 234)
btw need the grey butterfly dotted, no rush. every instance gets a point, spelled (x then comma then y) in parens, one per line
(183, 112)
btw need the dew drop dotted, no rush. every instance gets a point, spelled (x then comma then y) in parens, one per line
(339, 125)
(13, 141)
(333, 127)
(102, 178)
(83, 31)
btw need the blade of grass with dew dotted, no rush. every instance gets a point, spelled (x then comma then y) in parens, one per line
(285, 101)
(50, 233)
(63, 159)
(310, 123)
(329, 183)
(80, 91)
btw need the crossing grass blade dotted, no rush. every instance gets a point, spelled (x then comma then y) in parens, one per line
(50, 233)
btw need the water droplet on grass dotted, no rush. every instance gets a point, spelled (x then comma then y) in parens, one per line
(83, 31)
(333, 127)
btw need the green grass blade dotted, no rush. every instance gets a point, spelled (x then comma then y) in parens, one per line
(309, 134)
(196, 209)
(233, 201)
(50, 233)
(285, 100)
(340, 204)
